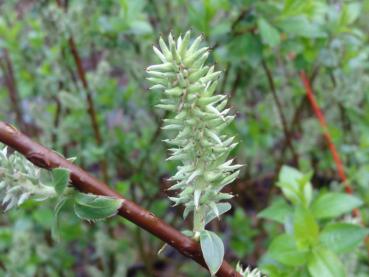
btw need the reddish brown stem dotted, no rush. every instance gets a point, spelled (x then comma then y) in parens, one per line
(82, 77)
(90, 103)
(7, 68)
(48, 159)
(323, 123)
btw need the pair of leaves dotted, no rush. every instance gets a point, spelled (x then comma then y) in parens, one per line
(309, 246)
(88, 207)
(321, 261)
(293, 250)
(295, 186)
(284, 249)
(328, 205)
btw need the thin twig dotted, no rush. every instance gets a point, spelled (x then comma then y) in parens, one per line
(280, 111)
(90, 103)
(8, 72)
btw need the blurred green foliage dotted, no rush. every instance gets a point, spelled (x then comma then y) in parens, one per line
(41, 93)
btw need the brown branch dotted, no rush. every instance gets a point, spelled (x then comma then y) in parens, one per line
(8, 71)
(280, 111)
(90, 103)
(295, 123)
(48, 159)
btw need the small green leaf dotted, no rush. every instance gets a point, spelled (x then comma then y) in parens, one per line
(306, 229)
(212, 249)
(95, 207)
(334, 204)
(278, 211)
(350, 12)
(269, 34)
(295, 186)
(324, 262)
(70, 100)
(342, 237)
(283, 249)
(58, 207)
(222, 208)
(301, 26)
(60, 179)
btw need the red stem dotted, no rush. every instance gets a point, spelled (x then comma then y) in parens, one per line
(319, 114)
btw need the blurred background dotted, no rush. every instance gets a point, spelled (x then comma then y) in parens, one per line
(72, 77)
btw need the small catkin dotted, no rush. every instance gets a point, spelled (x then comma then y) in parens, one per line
(20, 180)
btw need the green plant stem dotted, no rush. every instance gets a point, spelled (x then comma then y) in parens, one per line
(198, 221)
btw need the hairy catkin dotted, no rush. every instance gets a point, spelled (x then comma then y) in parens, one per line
(188, 89)
(20, 180)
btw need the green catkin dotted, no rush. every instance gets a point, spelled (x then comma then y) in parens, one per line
(188, 87)
(248, 272)
(20, 180)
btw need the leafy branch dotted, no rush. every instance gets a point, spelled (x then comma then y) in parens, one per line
(48, 159)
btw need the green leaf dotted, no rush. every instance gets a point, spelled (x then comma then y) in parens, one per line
(306, 229)
(342, 237)
(269, 34)
(301, 26)
(334, 204)
(212, 249)
(295, 186)
(350, 12)
(283, 249)
(239, 46)
(95, 207)
(60, 179)
(323, 262)
(278, 211)
(70, 100)
(58, 207)
(222, 208)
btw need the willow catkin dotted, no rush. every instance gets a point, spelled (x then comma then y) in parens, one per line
(199, 118)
